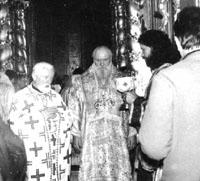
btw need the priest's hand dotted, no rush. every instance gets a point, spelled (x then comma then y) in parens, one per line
(130, 97)
(132, 142)
(77, 144)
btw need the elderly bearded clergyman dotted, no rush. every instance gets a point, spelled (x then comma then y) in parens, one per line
(95, 102)
(39, 116)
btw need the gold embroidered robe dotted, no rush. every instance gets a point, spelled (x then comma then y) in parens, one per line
(97, 120)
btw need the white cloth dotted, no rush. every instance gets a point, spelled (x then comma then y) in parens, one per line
(43, 122)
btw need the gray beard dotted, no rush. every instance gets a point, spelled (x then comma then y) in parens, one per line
(103, 73)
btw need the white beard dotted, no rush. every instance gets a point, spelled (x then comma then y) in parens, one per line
(103, 73)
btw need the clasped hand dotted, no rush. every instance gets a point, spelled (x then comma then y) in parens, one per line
(130, 97)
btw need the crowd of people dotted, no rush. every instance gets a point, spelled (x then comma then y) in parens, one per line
(41, 122)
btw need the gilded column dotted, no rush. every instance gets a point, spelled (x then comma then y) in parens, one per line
(119, 31)
(134, 32)
(5, 36)
(18, 8)
(141, 72)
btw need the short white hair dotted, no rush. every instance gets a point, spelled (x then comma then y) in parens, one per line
(43, 70)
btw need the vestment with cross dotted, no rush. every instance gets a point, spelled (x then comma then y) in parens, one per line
(43, 122)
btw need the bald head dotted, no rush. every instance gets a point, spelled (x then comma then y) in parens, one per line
(101, 51)
(43, 73)
(102, 56)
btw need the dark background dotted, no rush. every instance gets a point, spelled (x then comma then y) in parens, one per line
(53, 21)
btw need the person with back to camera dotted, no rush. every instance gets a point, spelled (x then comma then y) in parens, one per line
(13, 161)
(170, 126)
(159, 53)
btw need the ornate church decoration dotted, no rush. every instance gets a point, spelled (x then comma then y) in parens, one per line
(164, 13)
(141, 71)
(13, 51)
(19, 36)
(5, 35)
(119, 31)
(127, 25)
(134, 31)
(176, 8)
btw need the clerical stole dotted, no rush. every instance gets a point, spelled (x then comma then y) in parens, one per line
(105, 155)
(43, 123)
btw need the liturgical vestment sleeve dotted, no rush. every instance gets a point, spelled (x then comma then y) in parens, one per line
(75, 104)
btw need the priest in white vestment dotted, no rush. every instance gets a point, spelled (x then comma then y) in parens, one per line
(41, 119)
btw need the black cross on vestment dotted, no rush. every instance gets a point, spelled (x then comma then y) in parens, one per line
(51, 95)
(27, 106)
(10, 122)
(66, 132)
(61, 171)
(62, 145)
(54, 169)
(42, 134)
(68, 156)
(35, 149)
(32, 122)
(47, 160)
(53, 154)
(63, 106)
(37, 176)
(53, 139)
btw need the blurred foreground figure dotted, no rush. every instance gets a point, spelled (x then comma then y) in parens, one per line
(6, 95)
(170, 127)
(159, 53)
(101, 133)
(39, 116)
(13, 160)
(12, 155)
